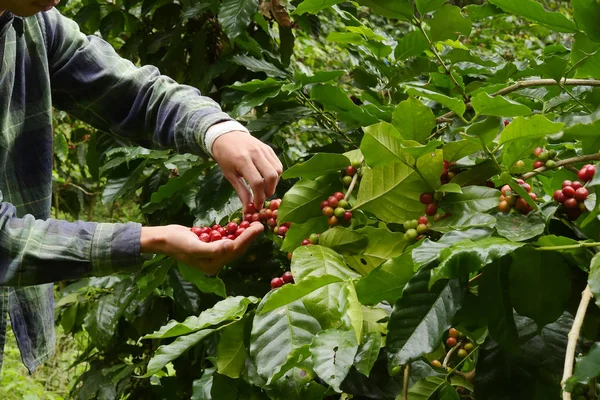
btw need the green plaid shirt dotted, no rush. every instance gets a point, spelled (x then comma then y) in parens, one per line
(46, 61)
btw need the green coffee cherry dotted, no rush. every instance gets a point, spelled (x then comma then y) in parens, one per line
(550, 164)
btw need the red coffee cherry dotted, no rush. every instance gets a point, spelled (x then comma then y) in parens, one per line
(505, 189)
(570, 203)
(503, 206)
(566, 183)
(538, 151)
(452, 332)
(231, 237)
(568, 191)
(244, 224)
(350, 170)
(426, 198)
(430, 209)
(248, 217)
(239, 231)
(196, 230)
(215, 227)
(576, 185)
(339, 195)
(538, 164)
(451, 342)
(333, 220)
(215, 235)
(423, 220)
(232, 227)
(276, 283)
(324, 204)
(282, 230)
(272, 223)
(506, 122)
(205, 237)
(348, 215)
(327, 211)
(581, 194)
(274, 205)
(306, 242)
(559, 196)
(250, 208)
(268, 213)
(526, 186)
(333, 201)
(287, 277)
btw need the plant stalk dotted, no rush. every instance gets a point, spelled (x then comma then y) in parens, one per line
(405, 388)
(562, 163)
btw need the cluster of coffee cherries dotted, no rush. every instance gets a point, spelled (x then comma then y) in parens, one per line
(312, 239)
(545, 158)
(508, 199)
(572, 197)
(429, 200)
(586, 173)
(268, 216)
(416, 229)
(335, 209)
(456, 338)
(447, 175)
(278, 282)
(217, 232)
(349, 172)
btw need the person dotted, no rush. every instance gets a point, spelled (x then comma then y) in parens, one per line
(45, 62)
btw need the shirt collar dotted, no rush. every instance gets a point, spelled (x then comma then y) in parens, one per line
(7, 20)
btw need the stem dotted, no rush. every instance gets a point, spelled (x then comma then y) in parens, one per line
(475, 277)
(449, 354)
(353, 183)
(568, 246)
(566, 161)
(405, 388)
(490, 154)
(586, 296)
(529, 83)
(575, 99)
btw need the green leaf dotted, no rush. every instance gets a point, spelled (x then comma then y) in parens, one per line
(335, 99)
(298, 232)
(257, 65)
(498, 106)
(454, 104)
(587, 15)
(398, 9)
(413, 120)
(205, 283)
(420, 318)
(534, 11)
(410, 45)
(169, 352)
(61, 147)
(431, 166)
(391, 193)
(387, 281)
(314, 6)
(292, 292)
(495, 299)
(464, 220)
(519, 227)
(454, 151)
(333, 352)
(303, 200)
(277, 333)
(229, 309)
(293, 360)
(594, 277)
(351, 310)
(314, 261)
(585, 53)
(540, 285)
(202, 387)
(487, 129)
(236, 15)
(577, 256)
(382, 144)
(533, 127)
(175, 185)
(447, 392)
(449, 23)
(425, 388)
(382, 246)
(318, 165)
(588, 366)
(343, 240)
(368, 352)
(468, 256)
(345, 37)
(318, 77)
(231, 351)
(472, 199)
(256, 84)
(426, 6)
(116, 187)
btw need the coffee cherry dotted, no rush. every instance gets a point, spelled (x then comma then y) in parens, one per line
(570, 203)
(582, 207)
(522, 205)
(411, 234)
(520, 164)
(339, 212)
(271, 223)
(410, 224)
(244, 224)
(343, 203)
(422, 228)
(347, 180)
(451, 342)
(510, 200)
(348, 215)
(586, 173)
(551, 164)
(423, 220)
(313, 238)
(263, 214)
(267, 204)
(506, 122)
(520, 181)
(239, 231)
(274, 205)
(526, 186)
(581, 194)
(576, 185)
(356, 164)
(568, 191)
(339, 195)
(214, 236)
(268, 213)
(327, 211)
(533, 196)
(426, 198)
(215, 227)
(559, 196)
(255, 217)
(333, 220)
(287, 277)
(290, 255)
(232, 227)
(196, 230)
(282, 230)
(566, 183)
(462, 353)
(333, 201)
(250, 208)
(468, 346)
(538, 164)
(222, 231)
(538, 151)
(438, 217)
(306, 242)
(430, 209)
(205, 237)
(276, 283)
(324, 204)
(551, 154)
(452, 332)
(231, 237)
(396, 370)
(436, 363)
(350, 170)
(248, 217)
(505, 189)
(543, 156)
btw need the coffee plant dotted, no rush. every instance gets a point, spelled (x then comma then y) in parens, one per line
(438, 228)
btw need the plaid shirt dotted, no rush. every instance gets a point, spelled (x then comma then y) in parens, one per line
(46, 61)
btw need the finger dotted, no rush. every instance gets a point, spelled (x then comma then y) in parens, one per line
(212, 250)
(252, 175)
(244, 241)
(275, 162)
(241, 189)
(268, 173)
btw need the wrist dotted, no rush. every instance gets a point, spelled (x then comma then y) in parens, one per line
(152, 240)
(220, 129)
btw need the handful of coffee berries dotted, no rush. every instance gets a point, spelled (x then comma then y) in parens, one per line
(572, 197)
(335, 208)
(268, 216)
(278, 282)
(217, 232)
(508, 199)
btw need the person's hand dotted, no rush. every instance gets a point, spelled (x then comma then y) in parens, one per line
(243, 157)
(183, 245)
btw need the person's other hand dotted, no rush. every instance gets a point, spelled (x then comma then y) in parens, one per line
(242, 156)
(183, 245)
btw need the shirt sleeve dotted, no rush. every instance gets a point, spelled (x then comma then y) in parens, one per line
(34, 251)
(92, 82)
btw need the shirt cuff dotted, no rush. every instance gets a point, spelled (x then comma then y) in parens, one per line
(115, 248)
(218, 130)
